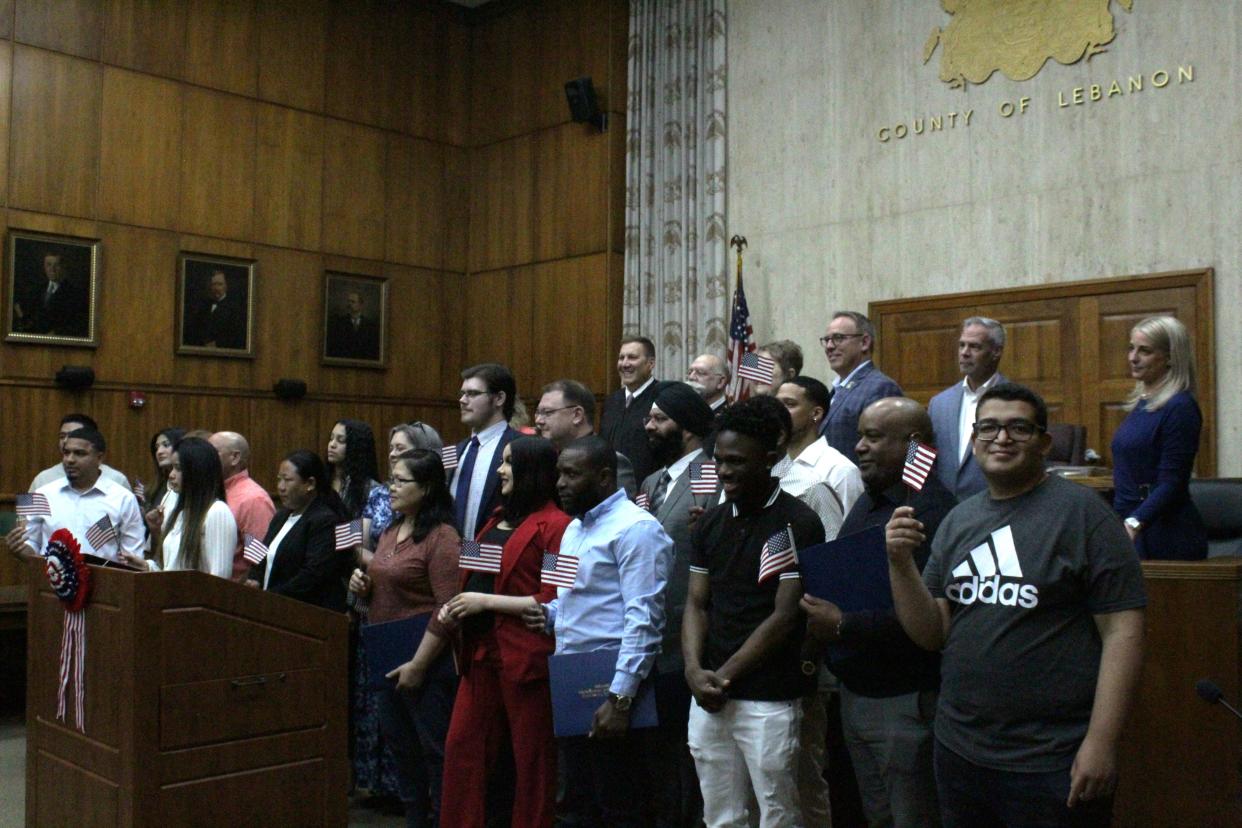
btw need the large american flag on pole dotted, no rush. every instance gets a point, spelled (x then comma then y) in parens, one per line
(919, 460)
(100, 532)
(559, 569)
(740, 344)
(779, 553)
(32, 505)
(480, 557)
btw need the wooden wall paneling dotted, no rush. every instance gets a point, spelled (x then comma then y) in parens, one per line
(571, 191)
(447, 116)
(217, 164)
(618, 56)
(139, 149)
(288, 323)
(221, 45)
(616, 296)
(353, 190)
(194, 372)
(499, 324)
(1042, 351)
(70, 26)
(274, 428)
(355, 78)
(293, 38)
(54, 95)
(422, 334)
(573, 344)
(457, 178)
(921, 345)
(145, 35)
(427, 48)
(502, 85)
(417, 202)
(502, 204)
(289, 177)
(137, 303)
(6, 98)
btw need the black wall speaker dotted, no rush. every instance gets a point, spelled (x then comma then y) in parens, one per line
(75, 377)
(583, 105)
(290, 389)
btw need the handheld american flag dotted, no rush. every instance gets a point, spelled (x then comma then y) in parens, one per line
(703, 480)
(448, 456)
(348, 535)
(919, 460)
(642, 501)
(559, 569)
(254, 550)
(32, 505)
(480, 557)
(100, 532)
(756, 367)
(779, 553)
(140, 491)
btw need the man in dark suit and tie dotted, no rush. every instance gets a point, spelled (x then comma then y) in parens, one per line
(627, 407)
(848, 344)
(351, 335)
(56, 304)
(219, 318)
(678, 421)
(979, 349)
(488, 394)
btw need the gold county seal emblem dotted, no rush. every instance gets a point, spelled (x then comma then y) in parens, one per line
(1018, 37)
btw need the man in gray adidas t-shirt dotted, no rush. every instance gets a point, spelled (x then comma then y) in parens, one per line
(1035, 594)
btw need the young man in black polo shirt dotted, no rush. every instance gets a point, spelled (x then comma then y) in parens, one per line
(742, 636)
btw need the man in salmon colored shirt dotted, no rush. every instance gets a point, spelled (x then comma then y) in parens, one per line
(251, 506)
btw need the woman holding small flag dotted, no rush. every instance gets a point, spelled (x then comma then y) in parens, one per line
(504, 665)
(302, 561)
(200, 532)
(414, 572)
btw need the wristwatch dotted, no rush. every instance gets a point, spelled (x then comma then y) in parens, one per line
(1134, 523)
(621, 703)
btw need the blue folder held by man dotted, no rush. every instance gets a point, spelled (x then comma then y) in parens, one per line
(580, 683)
(851, 571)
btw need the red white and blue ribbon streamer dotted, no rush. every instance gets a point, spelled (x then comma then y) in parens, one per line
(70, 580)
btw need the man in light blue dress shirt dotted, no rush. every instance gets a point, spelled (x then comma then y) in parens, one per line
(617, 601)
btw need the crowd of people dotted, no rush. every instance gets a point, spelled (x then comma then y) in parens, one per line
(991, 692)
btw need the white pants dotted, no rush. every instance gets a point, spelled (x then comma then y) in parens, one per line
(748, 744)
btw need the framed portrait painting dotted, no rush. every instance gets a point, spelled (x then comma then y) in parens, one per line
(215, 306)
(355, 320)
(52, 289)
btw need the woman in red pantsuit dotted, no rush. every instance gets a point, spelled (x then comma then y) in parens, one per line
(504, 666)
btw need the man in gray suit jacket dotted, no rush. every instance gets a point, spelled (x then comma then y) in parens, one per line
(848, 345)
(979, 350)
(678, 421)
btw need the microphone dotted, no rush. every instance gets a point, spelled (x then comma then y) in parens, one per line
(1212, 694)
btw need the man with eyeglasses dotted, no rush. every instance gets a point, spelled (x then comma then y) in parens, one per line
(627, 407)
(711, 374)
(848, 345)
(979, 349)
(1034, 594)
(566, 412)
(488, 394)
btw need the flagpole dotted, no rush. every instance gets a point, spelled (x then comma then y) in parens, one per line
(735, 350)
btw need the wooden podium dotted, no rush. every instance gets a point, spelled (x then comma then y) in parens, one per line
(206, 702)
(1181, 759)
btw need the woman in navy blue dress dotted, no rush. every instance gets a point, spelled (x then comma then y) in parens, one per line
(1154, 447)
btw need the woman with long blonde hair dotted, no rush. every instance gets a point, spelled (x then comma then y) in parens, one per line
(1154, 448)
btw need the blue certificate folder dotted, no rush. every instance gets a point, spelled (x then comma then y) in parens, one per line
(389, 645)
(851, 572)
(580, 683)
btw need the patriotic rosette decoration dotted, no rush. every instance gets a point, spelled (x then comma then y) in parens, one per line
(70, 580)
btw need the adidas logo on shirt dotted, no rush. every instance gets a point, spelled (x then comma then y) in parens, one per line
(987, 573)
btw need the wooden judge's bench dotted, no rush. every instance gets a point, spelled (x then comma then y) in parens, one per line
(207, 703)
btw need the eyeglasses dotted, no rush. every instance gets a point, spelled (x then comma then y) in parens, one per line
(544, 413)
(400, 481)
(836, 339)
(1018, 430)
(471, 393)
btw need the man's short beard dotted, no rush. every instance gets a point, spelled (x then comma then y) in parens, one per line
(666, 450)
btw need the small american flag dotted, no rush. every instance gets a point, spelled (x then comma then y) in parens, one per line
(348, 535)
(642, 501)
(778, 554)
(480, 557)
(919, 460)
(254, 550)
(756, 367)
(703, 479)
(140, 491)
(101, 532)
(33, 505)
(448, 456)
(559, 569)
